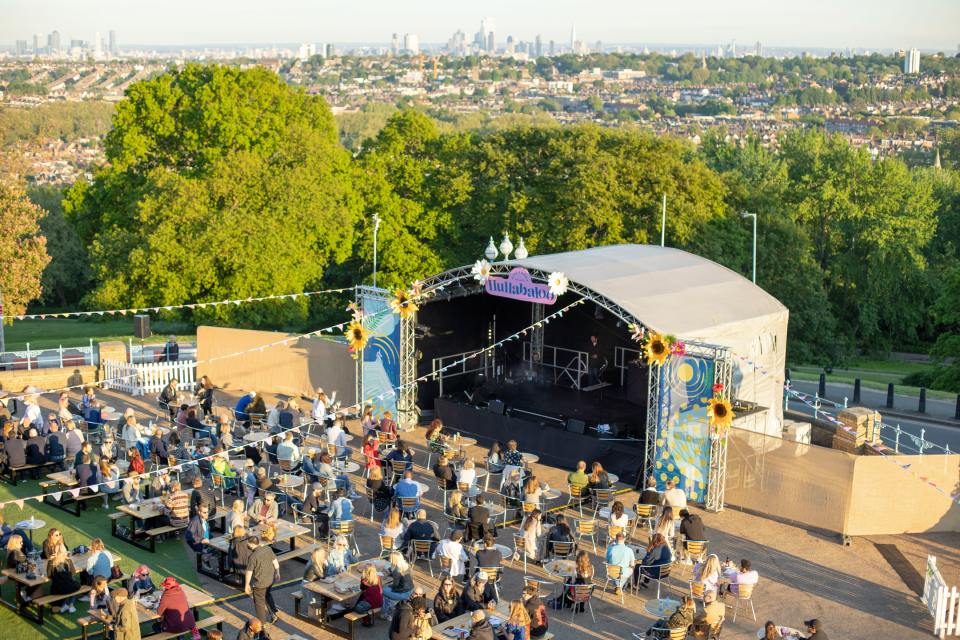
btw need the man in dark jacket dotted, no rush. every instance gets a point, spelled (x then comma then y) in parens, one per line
(479, 593)
(559, 532)
(253, 630)
(478, 521)
(489, 555)
(481, 629)
(691, 526)
(36, 448)
(86, 473)
(171, 350)
(198, 531)
(202, 496)
(420, 529)
(16, 449)
(56, 441)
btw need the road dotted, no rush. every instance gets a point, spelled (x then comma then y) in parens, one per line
(939, 434)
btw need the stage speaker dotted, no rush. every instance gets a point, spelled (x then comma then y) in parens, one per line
(576, 426)
(141, 326)
(497, 407)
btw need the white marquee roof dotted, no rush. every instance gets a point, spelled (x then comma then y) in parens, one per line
(667, 289)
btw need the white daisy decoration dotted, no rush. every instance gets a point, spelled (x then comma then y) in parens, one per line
(481, 271)
(558, 283)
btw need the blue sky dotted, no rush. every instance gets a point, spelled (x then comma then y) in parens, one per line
(926, 24)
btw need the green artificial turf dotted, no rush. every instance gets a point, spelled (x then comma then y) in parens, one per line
(171, 558)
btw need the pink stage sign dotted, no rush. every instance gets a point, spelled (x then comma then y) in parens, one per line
(519, 286)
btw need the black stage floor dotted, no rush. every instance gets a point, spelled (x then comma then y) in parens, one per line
(546, 403)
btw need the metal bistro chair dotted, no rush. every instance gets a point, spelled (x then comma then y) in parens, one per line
(445, 564)
(409, 506)
(580, 594)
(421, 551)
(388, 544)
(614, 574)
(744, 594)
(519, 550)
(526, 509)
(697, 591)
(695, 550)
(665, 633)
(602, 498)
(494, 577)
(454, 523)
(387, 441)
(370, 497)
(646, 513)
(661, 573)
(612, 531)
(560, 549)
(577, 497)
(343, 528)
(705, 631)
(302, 517)
(586, 529)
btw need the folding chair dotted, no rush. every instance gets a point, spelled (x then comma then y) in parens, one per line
(586, 529)
(695, 550)
(445, 565)
(421, 551)
(388, 545)
(646, 513)
(580, 594)
(519, 550)
(614, 574)
(494, 577)
(343, 528)
(302, 517)
(602, 499)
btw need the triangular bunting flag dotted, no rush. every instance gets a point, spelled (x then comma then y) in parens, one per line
(19, 503)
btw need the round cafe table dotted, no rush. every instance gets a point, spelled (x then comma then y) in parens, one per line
(256, 436)
(347, 467)
(530, 458)
(785, 632)
(551, 494)
(661, 608)
(560, 569)
(423, 487)
(31, 525)
(614, 478)
(504, 550)
(290, 482)
(462, 441)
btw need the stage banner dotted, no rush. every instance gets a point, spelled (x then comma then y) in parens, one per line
(380, 366)
(683, 438)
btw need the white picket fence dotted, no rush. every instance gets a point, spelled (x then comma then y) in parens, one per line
(148, 378)
(942, 602)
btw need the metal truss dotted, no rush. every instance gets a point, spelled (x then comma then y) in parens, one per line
(536, 337)
(407, 415)
(717, 473)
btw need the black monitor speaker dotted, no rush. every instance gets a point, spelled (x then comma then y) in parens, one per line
(497, 407)
(141, 326)
(576, 426)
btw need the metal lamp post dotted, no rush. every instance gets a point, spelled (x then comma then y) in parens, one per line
(754, 216)
(376, 227)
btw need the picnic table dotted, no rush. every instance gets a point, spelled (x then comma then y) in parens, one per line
(57, 490)
(143, 513)
(339, 589)
(285, 532)
(147, 608)
(459, 627)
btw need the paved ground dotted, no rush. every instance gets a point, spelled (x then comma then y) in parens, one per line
(860, 591)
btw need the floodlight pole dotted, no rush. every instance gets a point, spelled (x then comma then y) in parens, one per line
(663, 222)
(754, 216)
(376, 227)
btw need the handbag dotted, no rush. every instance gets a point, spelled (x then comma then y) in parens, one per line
(115, 572)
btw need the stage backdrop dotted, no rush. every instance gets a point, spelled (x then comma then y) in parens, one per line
(683, 439)
(380, 372)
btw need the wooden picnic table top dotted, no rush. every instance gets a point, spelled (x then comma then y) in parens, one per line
(79, 564)
(195, 598)
(285, 531)
(448, 629)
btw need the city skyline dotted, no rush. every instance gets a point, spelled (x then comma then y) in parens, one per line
(881, 24)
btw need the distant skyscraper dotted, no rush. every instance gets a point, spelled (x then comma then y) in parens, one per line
(53, 42)
(758, 49)
(538, 46)
(911, 61)
(395, 45)
(457, 44)
(411, 44)
(491, 42)
(573, 38)
(112, 39)
(511, 47)
(328, 51)
(487, 26)
(21, 48)
(553, 48)
(36, 43)
(307, 50)
(97, 45)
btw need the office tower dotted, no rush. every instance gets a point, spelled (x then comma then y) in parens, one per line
(395, 45)
(553, 48)
(911, 61)
(36, 43)
(538, 46)
(306, 51)
(491, 42)
(573, 38)
(328, 51)
(21, 47)
(53, 42)
(112, 40)
(411, 44)
(511, 47)
(97, 45)
(487, 27)
(758, 49)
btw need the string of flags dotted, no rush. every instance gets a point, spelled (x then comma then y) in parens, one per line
(172, 307)
(20, 502)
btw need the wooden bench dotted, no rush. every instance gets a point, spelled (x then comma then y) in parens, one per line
(66, 500)
(10, 473)
(298, 552)
(205, 624)
(43, 602)
(352, 617)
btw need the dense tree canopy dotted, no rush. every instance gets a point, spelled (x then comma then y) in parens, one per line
(23, 251)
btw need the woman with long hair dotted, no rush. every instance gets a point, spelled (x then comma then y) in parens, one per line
(532, 491)
(532, 531)
(204, 392)
(665, 525)
(598, 477)
(401, 582)
(136, 462)
(368, 424)
(770, 631)
(317, 567)
(371, 450)
(494, 458)
(392, 525)
(657, 555)
(15, 557)
(708, 573)
(60, 571)
(371, 590)
(53, 543)
(455, 506)
(517, 626)
(617, 516)
(238, 552)
(583, 574)
(435, 438)
(447, 604)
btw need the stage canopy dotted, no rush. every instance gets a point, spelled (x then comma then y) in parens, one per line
(674, 292)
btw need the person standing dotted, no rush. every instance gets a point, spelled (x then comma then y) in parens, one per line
(126, 624)
(263, 570)
(171, 350)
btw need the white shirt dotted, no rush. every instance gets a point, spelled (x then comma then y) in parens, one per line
(273, 417)
(675, 498)
(288, 451)
(335, 436)
(35, 415)
(319, 411)
(743, 577)
(467, 476)
(453, 550)
(622, 521)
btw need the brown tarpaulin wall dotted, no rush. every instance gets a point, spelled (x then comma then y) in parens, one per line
(296, 368)
(841, 492)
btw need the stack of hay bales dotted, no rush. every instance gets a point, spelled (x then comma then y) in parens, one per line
(860, 423)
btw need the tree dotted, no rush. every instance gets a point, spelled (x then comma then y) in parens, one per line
(221, 183)
(67, 277)
(947, 313)
(23, 251)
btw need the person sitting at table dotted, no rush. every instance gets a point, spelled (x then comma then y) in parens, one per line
(468, 473)
(16, 450)
(650, 495)
(158, 448)
(537, 611)
(381, 491)
(407, 488)
(264, 483)
(257, 408)
(512, 455)
(252, 630)
(86, 449)
(100, 596)
(168, 398)
(16, 557)
(340, 557)
(621, 555)
(273, 416)
(315, 508)
(131, 488)
(420, 529)
(478, 520)
(264, 509)
(513, 489)
(582, 574)
(559, 532)
(681, 618)
(160, 484)
(401, 458)
(388, 425)
(60, 571)
(109, 480)
(674, 496)
(7, 532)
(455, 507)
(392, 524)
(770, 631)
(401, 582)
(368, 424)
(237, 516)
(480, 627)
(99, 560)
(532, 530)
(86, 475)
(517, 624)
(444, 473)
(317, 566)
(308, 464)
(140, 583)
(337, 436)
(436, 439)
(135, 462)
(713, 614)
(451, 547)
(108, 448)
(238, 551)
(599, 478)
(52, 543)
(288, 453)
(371, 451)
(73, 443)
(494, 458)
(174, 611)
(240, 409)
(270, 448)
(36, 448)
(691, 526)
(579, 478)
(371, 590)
(665, 526)
(488, 555)
(177, 506)
(617, 516)
(478, 593)
(341, 509)
(225, 433)
(657, 554)
(447, 603)
(745, 576)
(532, 491)
(56, 444)
(202, 496)
(222, 467)
(131, 432)
(708, 573)
(197, 535)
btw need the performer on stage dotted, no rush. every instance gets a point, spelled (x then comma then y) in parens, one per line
(596, 361)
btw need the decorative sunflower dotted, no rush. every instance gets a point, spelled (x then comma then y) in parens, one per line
(657, 349)
(558, 283)
(481, 271)
(357, 336)
(403, 303)
(720, 413)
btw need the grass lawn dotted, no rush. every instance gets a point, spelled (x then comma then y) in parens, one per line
(877, 380)
(171, 558)
(77, 332)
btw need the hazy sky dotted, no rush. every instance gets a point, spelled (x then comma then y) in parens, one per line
(926, 24)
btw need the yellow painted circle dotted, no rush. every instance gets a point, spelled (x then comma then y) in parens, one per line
(665, 455)
(693, 495)
(659, 465)
(685, 372)
(669, 467)
(663, 477)
(676, 479)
